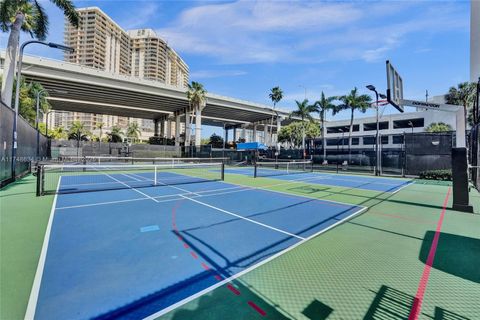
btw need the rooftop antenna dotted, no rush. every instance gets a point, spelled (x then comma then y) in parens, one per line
(426, 95)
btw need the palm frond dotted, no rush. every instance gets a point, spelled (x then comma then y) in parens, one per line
(68, 10)
(40, 22)
(6, 13)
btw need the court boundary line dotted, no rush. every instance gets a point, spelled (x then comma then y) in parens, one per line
(243, 218)
(402, 187)
(329, 175)
(423, 282)
(247, 270)
(37, 280)
(164, 184)
(200, 194)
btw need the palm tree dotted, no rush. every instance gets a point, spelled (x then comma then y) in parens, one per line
(27, 16)
(303, 111)
(322, 106)
(115, 135)
(133, 130)
(197, 98)
(276, 94)
(100, 126)
(353, 102)
(78, 132)
(463, 95)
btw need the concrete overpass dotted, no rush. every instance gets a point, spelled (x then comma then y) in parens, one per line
(78, 88)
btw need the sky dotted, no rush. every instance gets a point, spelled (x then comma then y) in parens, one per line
(244, 48)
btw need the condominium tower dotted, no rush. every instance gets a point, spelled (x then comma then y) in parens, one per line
(100, 43)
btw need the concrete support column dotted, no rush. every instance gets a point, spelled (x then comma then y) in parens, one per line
(169, 128)
(254, 133)
(265, 134)
(226, 135)
(234, 134)
(177, 130)
(279, 127)
(162, 128)
(188, 129)
(198, 126)
(155, 127)
(244, 133)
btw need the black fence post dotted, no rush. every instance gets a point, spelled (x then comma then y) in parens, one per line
(460, 180)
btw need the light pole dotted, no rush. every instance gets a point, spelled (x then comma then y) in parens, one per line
(17, 92)
(37, 93)
(377, 143)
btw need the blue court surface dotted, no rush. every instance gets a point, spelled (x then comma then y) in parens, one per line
(329, 179)
(134, 253)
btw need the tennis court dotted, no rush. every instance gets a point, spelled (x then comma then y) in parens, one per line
(330, 179)
(155, 238)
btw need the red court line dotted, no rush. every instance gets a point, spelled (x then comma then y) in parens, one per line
(257, 308)
(422, 285)
(232, 288)
(194, 255)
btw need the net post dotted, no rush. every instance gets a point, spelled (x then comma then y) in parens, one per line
(155, 176)
(255, 170)
(39, 180)
(223, 171)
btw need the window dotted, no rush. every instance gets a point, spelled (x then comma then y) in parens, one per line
(408, 123)
(373, 126)
(398, 139)
(340, 129)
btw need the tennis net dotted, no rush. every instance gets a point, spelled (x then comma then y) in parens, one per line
(90, 160)
(61, 178)
(267, 169)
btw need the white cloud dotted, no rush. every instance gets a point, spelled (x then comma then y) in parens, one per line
(146, 12)
(204, 74)
(304, 32)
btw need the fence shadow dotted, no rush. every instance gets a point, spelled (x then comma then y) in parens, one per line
(456, 255)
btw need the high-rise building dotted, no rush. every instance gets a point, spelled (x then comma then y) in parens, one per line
(100, 43)
(474, 40)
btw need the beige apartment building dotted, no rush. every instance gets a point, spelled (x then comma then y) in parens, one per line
(100, 43)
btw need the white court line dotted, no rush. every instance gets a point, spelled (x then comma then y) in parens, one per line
(406, 185)
(243, 218)
(157, 197)
(32, 301)
(129, 176)
(100, 203)
(164, 184)
(241, 273)
(144, 194)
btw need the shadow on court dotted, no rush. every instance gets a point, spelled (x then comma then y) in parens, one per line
(456, 255)
(393, 304)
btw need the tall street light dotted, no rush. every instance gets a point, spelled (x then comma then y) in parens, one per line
(17, 92)
(37, 94)
(377, 160)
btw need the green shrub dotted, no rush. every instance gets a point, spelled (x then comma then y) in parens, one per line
(444, 175)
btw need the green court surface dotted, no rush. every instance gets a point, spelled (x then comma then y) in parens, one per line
(370, 267)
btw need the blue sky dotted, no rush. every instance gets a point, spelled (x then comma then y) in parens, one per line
(244, 48)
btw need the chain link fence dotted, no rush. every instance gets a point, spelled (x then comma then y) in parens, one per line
(474, 155)
(26, 145)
